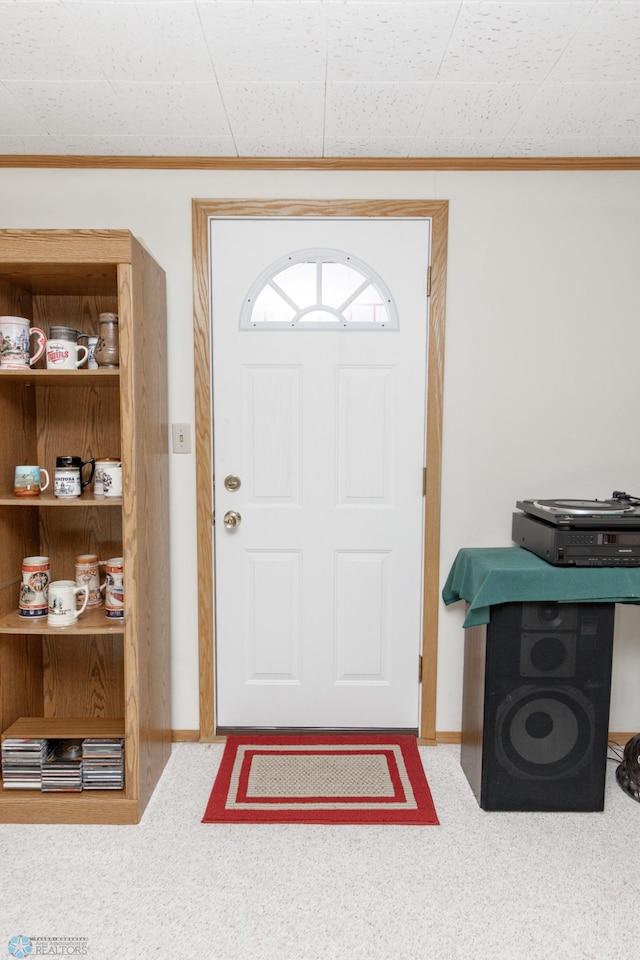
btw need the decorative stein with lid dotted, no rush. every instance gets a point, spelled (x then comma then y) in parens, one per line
(107, 353)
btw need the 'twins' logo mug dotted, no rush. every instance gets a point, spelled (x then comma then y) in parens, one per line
(65, 355)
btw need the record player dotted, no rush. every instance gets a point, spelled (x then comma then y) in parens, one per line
(581, 533)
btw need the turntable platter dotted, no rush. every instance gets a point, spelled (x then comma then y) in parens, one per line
(584, 508)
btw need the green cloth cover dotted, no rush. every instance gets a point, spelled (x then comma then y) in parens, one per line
(484, 576)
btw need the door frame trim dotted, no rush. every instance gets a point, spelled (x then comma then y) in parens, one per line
(202, 211)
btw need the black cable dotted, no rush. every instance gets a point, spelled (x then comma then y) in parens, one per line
(617, 750)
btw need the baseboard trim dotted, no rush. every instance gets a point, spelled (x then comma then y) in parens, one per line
(185, 736)
(442, 736)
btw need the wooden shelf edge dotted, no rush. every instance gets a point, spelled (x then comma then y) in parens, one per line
(50, 500)
(90, 622)
(88, 806)
(62, 727)
(66, 377)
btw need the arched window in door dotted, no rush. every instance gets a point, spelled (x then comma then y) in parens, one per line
(319, 289)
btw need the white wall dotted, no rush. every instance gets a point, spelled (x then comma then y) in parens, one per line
(541, 396)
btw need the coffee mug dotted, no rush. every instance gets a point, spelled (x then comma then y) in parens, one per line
(15, 334)
(88, 573)
(36, 572)
(112, 480)
(63, 610)
(28, 481)
(65, 355)
(98, 480)
(68, 480)
(114, 589)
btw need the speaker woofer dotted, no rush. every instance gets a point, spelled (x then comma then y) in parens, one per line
(544, 732)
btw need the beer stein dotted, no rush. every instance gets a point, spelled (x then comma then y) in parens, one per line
(34, 589)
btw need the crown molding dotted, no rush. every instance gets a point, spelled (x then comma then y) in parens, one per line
(478, 164)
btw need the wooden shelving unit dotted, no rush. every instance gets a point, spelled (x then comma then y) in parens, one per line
(98, 677)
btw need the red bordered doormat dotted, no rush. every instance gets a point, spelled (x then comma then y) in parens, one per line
(321, 779)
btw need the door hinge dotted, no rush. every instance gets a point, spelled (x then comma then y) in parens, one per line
(420, 669)
(428, 281)
(424, 481)
(213, 518)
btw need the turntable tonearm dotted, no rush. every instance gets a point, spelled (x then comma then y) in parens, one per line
(581, 533)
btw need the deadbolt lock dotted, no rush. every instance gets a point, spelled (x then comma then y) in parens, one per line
(232, 483)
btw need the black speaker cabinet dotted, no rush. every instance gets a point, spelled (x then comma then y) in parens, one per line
(535, 716)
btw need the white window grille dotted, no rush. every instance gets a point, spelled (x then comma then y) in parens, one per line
(319, 289)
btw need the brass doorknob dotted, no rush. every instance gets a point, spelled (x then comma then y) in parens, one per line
(232, 519)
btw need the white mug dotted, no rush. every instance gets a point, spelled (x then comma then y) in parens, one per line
(63, 610)
(98, 478)
(65, 355)
(15, 335)
(112, 479)
(67, 483)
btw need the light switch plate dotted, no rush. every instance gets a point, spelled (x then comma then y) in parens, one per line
(181, 433)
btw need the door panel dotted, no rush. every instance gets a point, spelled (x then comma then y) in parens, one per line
(318, 590)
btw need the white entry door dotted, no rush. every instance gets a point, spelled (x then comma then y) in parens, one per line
(321, 419)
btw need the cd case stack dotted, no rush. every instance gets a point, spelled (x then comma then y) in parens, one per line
(22, 761)
(62, 767)
(103, 763)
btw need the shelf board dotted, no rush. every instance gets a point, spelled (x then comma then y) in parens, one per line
(90, 622)
(85, 806)
(65, 727)
(49, 499)
(61, 377)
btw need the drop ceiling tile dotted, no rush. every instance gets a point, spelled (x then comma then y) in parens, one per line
(279, 147)
(15, 117)
(127, 146)
(36, 145)
(387, 41)
(606, 47)
(363, 110)
(282, 110)
(88, 108)
(472, 110)
(367, 147)
(581, 110)
(143, 41)
(191, 146)
(510, 41)
(172, 109)
(454, 146)
(571, 147)
(38, 42)
(271, 41)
